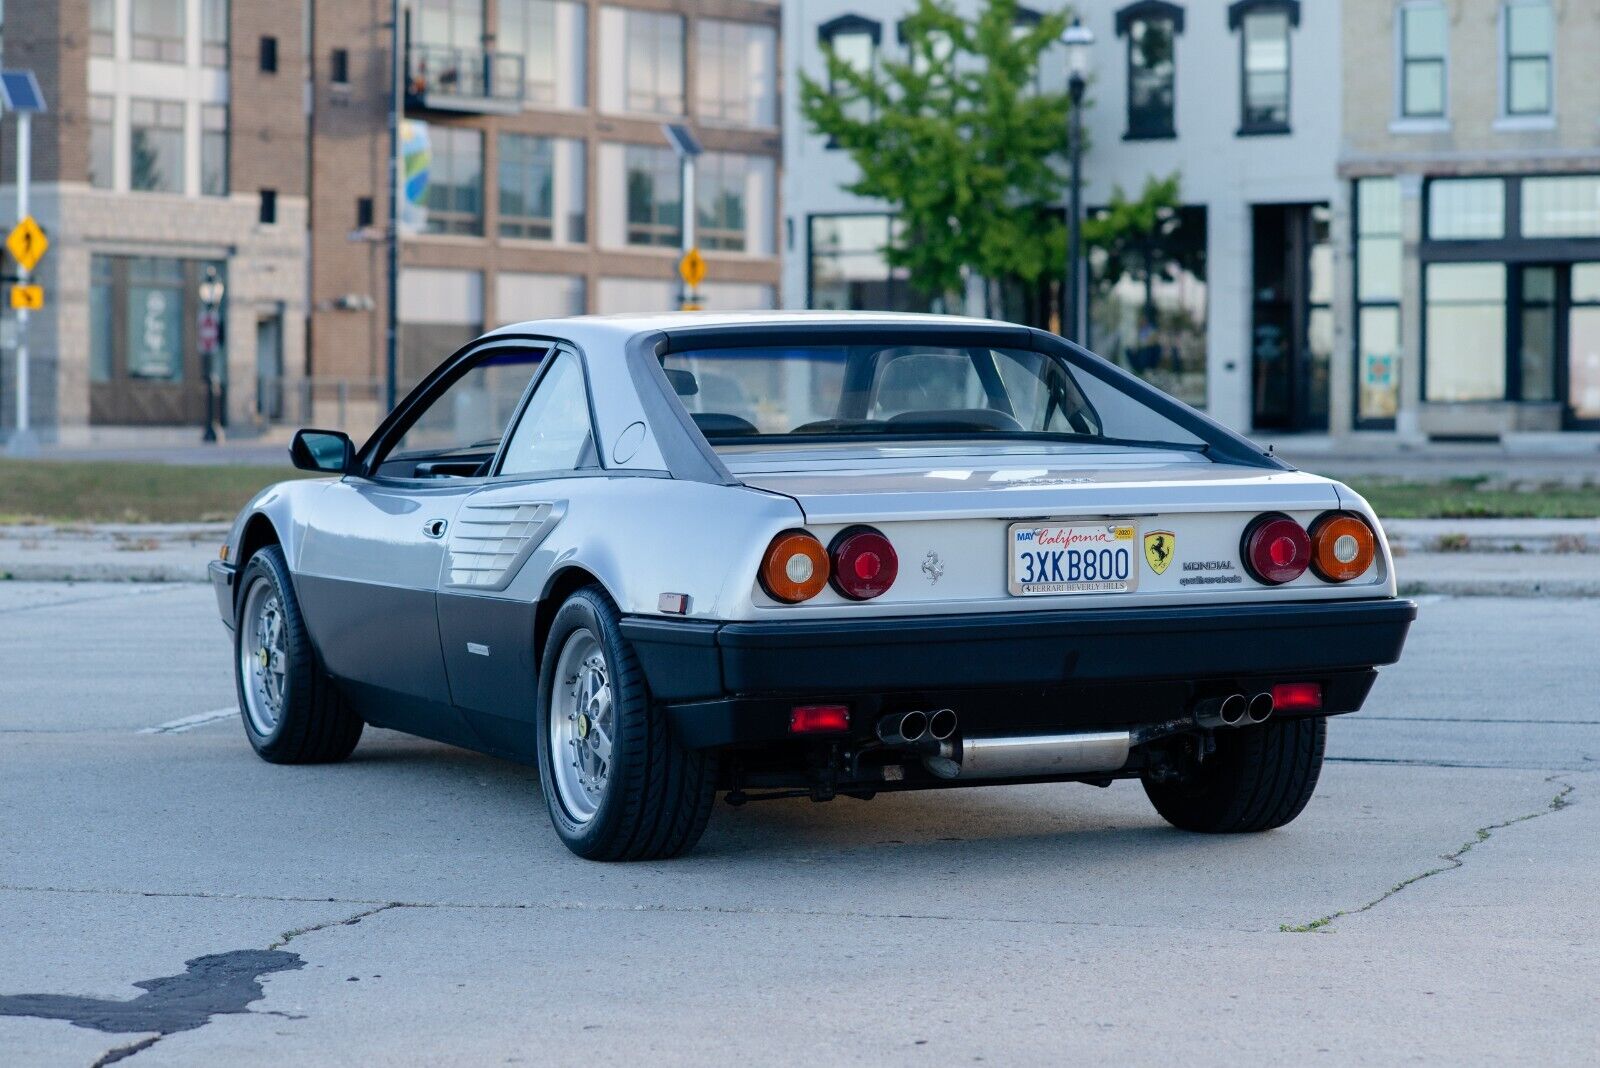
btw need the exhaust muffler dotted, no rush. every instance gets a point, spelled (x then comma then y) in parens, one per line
(1032, 754)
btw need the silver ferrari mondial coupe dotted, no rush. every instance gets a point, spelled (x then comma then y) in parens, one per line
(806, 555)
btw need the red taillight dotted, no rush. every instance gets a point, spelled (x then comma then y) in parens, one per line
(819, 719)
(1276, 549)
(864, 563)
(1297, 697)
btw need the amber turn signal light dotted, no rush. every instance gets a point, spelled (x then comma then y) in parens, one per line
(1342, 547)
(795, 567)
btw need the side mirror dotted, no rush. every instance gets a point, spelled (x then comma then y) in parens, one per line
(329, 452)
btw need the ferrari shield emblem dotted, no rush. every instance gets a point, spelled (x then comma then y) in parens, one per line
(1159, 547)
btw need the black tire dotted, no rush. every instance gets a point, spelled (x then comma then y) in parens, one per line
(657, 795)
(314, 724)
(1258, 778)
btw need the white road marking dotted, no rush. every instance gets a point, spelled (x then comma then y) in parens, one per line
(189, 723)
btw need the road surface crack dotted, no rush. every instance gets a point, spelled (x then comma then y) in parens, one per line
(349, 921)
(1452, 860)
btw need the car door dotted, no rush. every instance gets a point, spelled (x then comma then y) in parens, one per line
(496, 563)
(370, 561)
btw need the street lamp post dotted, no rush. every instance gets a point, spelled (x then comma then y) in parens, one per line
(212, 291)
(1078, 39)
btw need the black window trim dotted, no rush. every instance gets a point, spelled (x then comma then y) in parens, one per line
(845, 25)
(1150, 11)
(1237, 13)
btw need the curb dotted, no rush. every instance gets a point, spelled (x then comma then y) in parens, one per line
(1501, 588)
(82, 572)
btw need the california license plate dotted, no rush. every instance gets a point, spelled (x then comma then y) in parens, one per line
(1057, 558)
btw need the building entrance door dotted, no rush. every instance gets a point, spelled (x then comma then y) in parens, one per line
(1291, 333)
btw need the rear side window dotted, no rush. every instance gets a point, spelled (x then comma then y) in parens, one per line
(553, 434)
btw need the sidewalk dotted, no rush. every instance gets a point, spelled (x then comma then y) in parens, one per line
(1464, 557)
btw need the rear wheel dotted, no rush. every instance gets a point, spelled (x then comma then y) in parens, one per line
(292, 714)
(1257, 779)
(617, 784)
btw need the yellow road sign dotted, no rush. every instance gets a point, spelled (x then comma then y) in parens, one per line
(27, 243)
(692, 268)
(27, 298)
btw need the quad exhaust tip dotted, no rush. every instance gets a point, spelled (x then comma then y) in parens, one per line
(903, 729)
(1259, 710)
(942, 724)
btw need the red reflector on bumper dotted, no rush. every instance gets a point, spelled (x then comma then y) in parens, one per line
(1297, 697)
(818, 719)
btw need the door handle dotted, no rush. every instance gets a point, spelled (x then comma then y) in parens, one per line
(434, 528)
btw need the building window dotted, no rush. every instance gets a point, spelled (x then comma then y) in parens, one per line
(1529, 41)
(154, 318)
(552, 38)
(1378, 259)
(849, 269)
(732, 194)
(519, 297)
(1538, 334)
(455, 180)
(1424, 41)
(102, 141)
(102, 324)
(1264, 60)
(158, 30)
(267, 213)
(854, 41)
(653, 62)
(214, 150)
(448, 23)
(1466, 332)
(1151, 27)
(339, 67)
(268, 55)
(1561, 206)
(542, 180)
(155, 145)
(103, 28)
(364, 215)
(214, 33)
(1466, 209)
(735, 80)
(655, 196)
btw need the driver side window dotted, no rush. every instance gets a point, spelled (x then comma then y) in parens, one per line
(553, 434)
(458, 433)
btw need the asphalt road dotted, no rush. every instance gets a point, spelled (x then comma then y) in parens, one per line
(412, 906)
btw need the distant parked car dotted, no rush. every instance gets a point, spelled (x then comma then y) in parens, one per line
(920, 552)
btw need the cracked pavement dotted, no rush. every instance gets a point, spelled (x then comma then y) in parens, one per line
(436, 919)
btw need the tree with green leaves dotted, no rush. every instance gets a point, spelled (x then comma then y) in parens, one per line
(1145, 239)
(960, 141)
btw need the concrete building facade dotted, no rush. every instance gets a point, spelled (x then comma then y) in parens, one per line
(1234, 98)
(1470, 157)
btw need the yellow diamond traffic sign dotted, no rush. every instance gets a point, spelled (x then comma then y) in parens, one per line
(692, 268)
(27, 243)
(27, 298)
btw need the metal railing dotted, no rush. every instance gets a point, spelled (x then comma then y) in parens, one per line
(464, 79)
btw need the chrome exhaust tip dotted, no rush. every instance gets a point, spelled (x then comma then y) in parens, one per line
(942, 724)
(1260, 708)
(902, 728)
(1229, 711)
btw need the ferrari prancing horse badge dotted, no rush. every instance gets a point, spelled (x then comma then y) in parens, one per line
(1159, 546)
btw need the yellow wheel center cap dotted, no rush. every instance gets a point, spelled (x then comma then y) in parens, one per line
(261, 655)
(583, 725)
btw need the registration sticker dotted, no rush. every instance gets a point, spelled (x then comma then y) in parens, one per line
(1059, 558)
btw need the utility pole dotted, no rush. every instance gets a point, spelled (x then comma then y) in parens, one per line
(391, 329)
(19, 92)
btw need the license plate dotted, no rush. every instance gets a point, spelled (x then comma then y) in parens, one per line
(1058, 558)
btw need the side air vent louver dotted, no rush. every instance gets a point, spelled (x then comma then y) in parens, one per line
(490, 542)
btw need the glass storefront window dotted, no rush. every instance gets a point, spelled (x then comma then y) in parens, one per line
(1539, 338)
(848, 268)
(1561, 206)
(102, 340)
(1465, 353)
(1466, 208)
(1378, 371)
(1378, 260)
(154, 319)
(1153, 322)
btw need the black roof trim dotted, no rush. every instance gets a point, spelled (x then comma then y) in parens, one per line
(1149, 10)
(851, 24)
(1240, 8)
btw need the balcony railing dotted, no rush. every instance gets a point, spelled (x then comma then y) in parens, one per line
(442, 78)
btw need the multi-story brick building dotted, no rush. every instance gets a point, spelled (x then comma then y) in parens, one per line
(248, 142)
(1471, 152)
(151, 173)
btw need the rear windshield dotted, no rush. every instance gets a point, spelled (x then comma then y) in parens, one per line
(843, 392)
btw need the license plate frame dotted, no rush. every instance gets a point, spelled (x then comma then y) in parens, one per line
(1057, 564)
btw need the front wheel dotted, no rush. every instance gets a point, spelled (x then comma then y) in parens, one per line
(618, 785)
(1258, 778)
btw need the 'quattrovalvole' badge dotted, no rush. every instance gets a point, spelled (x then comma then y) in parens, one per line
(1159, 547)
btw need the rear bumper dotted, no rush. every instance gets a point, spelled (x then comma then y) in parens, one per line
(221, 576)
(723, 668)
